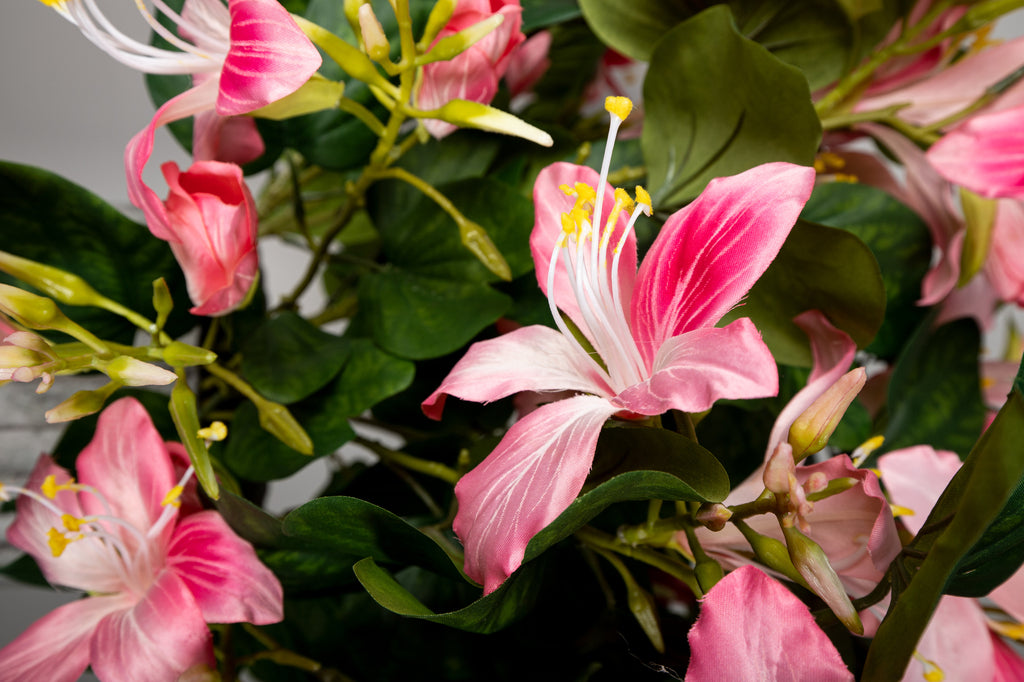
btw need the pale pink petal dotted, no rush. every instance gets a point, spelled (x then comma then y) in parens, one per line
(752, 628)
(915, 477)
(957, 641)
(832, 351)
(84, 564)
(211, 217)
(1009, 666)
(534, 358)
(500, 44)
(944, 275)
(528, 63)
(231, 139)
(140, 148)
(270, 57)
(156, 640)
(985, 154)
(56, 647)
(128, 463)
(693, 370)
(977, 299)
(536, 471)
(469, 76)
(227, 580)
(1010, 596)
(1004, 266)
(550, 203)
(709, 254)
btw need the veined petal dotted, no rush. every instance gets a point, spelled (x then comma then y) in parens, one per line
(1009, 666)
(470, 76)
(128, 463)
(752, 628)
(536, 471)
(550, 203)
(709, 254)
(985, 154)
(693, 370)
(1003, 266)
(222, 572)
(956, 642)
(232, 139)
(270, 57)
(56, 647)
(160, 637)
(832, 351)
(534, 358)
(915, 478)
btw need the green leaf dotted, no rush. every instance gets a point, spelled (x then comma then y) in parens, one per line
(897, 237)
(421, 317)
(819, 268)
(974, 498)
(51, 220)
(288, 358)
(484, 616)
(717, 104)
(656, 465)
(634, 28)
(250, 521)
(25, 570)
(541, 13)
(934, 393)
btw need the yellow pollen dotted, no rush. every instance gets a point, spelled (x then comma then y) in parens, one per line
(643, 198)
(50, 487)
(58, 541)
(987, 382)
(1011, 630)
(622, 196)
(584, 193)
(172, 497)
(568, 226)
(567, 189)
(865, 449)
(819, 166)
(216, 431)
(52, 3)
(72, 523)
(846, 177)
(618, 106)
(897, 510)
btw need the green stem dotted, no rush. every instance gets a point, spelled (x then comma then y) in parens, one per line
(435, 469)
(676, 569)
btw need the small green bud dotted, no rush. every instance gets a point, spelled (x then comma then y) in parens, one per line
(349, 58)
(476, 239)
(452, 46)
(163, 303)
(29, 309)
(279, 422)
(713, 516)
(351, 9)
(708, 573)
(810, 561)
(770, 552)
(812, 429)
(81, 404)
(178, 354)
(54, 282)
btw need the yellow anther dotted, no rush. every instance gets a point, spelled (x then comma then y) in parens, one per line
(846, 177)
(819, 166)
(618, 106)
(216, 431)
(72, 523)
(567, 189)
(644, 199)
(173, 497)
(58, 541)
(1008, 629)
(622, 196)
(897, 510)
(568, 226)
(50, 487)
(865, 449)
(584, 193)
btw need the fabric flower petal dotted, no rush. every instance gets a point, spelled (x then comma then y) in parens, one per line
(915, 477)
(752, 628)
(693, 370)
(534, 358)
(222, 572)
(985, 154)
(536, 471)
(709, 254)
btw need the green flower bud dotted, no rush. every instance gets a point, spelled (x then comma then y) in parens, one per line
(812, 429)
(54, 282)
(466, 114)
(178, 354)
(452, 46)
(131, 372)
(279, 422)
(810, 561)
(81, 404)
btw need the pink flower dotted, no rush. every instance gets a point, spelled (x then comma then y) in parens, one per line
(617, 76)
(155, 575)
(752, 628)
(211, 227)
(474, 74)
(985, 154)
(654, 331)
(526, 66)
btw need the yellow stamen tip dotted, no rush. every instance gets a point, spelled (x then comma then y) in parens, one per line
(172, 497)
(622, 196)
(644, 199)
(568, 226)
(897, 510)
(584, 193)
(57, 541)
(567, 189)
(618, 106)
(216, 431)
(71, 523)
(50, 487)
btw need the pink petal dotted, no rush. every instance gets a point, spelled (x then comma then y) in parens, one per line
(528, 63)
(534, 358)
(231, 139)
(957, 640)
(536, 471)
(470, 76)
(222, 572)
(157, 639)
(752, 628)
(1003, 266)
(1008, 663)
(832, 351)
(915, 478)
(1010, 596)
(270, 57)
(693, 370)
(211, 217)
(83, 565)
(128, 463)
(709, 254)
(56, 647)
(550, 203)
(985, 154)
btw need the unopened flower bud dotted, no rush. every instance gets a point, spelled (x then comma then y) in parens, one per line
(178, 354)
(770, 552)
(476, 239)
(452, 46)
(812, 429)
(131, 372)
(779, 469)
(186, 421)
(29, 309)
(713, 516)
(54, 282)
(466, 114)
(163, 303)
(816, 482)
(374, 40)
(351, 9)
(436, 20)
(81, 404)
(812, 564)
(279, 422)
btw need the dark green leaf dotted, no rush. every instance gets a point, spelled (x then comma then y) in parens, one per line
(25, 570)
(634, 28)
(717, 104)
(541, 13)
(288, 358)
(51, 220)
(934, 394)
(897, 237)
(819, 268)
(249, 520)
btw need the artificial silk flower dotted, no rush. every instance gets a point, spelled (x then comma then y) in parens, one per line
(474, 74)
(653, 330)
(211, 224)
(750, 627)
(985, 154)
(157, 569)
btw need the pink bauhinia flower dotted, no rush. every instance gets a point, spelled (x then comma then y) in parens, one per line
(474, 74)
(157, 569)
(657, 347)
(752, 628)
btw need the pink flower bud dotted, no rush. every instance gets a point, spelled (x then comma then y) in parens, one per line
(812, 429)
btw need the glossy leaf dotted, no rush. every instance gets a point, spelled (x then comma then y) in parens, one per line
(897, 237)
(46, 218)
(541, 13)
(718, 104)
(818, 268)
